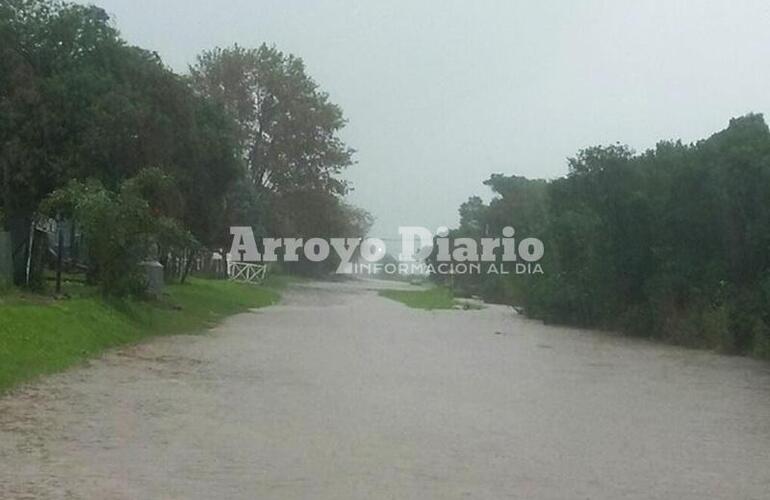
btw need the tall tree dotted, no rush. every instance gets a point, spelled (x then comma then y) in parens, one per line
(289, 130)
(77, 102)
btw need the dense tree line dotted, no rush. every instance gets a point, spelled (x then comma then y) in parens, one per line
(672, 243)
(247, 138)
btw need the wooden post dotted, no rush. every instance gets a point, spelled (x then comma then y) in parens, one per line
(59, 256)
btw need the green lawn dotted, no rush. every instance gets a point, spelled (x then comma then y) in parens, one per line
(433, 299)
(40, 335)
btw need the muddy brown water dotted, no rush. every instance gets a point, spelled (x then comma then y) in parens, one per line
(340, 394)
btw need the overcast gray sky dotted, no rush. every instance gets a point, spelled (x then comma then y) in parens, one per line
(441, 94)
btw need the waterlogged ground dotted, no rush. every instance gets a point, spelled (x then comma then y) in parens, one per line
(341, 394)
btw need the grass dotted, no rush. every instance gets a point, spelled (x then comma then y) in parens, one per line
(436, 298)
(40, 336)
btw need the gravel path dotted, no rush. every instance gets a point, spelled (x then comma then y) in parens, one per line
(340, 394)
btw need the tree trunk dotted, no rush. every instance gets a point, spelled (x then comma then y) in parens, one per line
(188, 266)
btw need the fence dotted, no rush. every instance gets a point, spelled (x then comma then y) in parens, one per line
(242, 272)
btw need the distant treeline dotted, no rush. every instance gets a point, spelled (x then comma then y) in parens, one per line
(155, 162)
(673, 243)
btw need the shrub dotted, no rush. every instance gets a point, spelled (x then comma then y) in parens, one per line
(121, 229)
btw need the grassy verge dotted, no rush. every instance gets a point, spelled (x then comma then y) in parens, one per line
(40, 336)
(433, 299)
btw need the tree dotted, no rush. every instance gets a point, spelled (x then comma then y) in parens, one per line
(670, 243)
(318, 214)
(76, 102)
(288, 138)
(248, 130)
(288, 128)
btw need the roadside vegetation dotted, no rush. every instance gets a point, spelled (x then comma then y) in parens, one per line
(111, 163)
(672, 243)
(40, 336)
(100, 140)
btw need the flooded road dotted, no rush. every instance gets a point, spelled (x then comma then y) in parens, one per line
(340, 394)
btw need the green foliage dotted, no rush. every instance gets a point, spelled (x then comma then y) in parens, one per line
(288, 127)
(120, 228)
(671, 243)
(76, 102)
(288, 135)
(246, 136)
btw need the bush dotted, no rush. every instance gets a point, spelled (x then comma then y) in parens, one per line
(121, 229)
